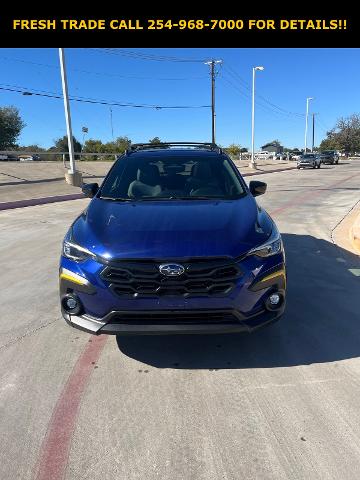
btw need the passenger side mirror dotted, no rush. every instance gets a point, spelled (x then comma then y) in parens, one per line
(257, 188)
(90, 189)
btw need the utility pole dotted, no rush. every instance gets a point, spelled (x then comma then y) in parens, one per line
(313, 131)
(112, 126)
(306, 121)
(72, 176)
(212, 64)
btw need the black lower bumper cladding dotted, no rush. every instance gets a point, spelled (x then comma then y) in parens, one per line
(174, 322)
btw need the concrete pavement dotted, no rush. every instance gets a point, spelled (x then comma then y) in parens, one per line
(355, 230)
(21, 181)
(278, 404)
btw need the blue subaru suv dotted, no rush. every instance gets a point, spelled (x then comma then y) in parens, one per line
(172, 242)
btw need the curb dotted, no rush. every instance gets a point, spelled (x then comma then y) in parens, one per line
(75, 196)
(354, 234)
(264, 172)
(39, 201)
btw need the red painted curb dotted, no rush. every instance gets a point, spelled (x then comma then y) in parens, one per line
(56, 445)
(39, 201)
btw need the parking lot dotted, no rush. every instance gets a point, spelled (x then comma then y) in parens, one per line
(278, 404)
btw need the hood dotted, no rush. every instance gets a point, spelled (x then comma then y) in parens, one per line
(172, 229)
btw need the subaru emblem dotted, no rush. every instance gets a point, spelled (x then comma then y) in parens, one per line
(171, 269)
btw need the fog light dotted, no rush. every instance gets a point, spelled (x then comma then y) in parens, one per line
(274, 299)
(72, 304)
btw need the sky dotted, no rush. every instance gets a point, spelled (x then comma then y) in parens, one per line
(161, 77)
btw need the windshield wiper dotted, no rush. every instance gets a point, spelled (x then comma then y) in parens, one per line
(117, 199)
(173, 197)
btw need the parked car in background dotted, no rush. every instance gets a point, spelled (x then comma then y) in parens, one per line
(28, 157)
(311, 160)
(262, 155)
(281, 156)
(329, 156)
(295, 156)
(12, 158)
(3, 157)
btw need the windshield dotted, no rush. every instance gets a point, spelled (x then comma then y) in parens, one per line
(327, 152)
(308, 155)
(160, 178)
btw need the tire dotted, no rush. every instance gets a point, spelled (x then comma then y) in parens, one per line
(298, 168)
(319, 165)
(314, 165)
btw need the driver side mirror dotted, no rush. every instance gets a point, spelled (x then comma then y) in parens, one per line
(90, 189)
(257, 188)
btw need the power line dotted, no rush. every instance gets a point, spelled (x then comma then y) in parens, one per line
(322, 124)
(147, 56)
(244, 84)
(39, 93)
(261, 105)
(279, 109)
(91, 72)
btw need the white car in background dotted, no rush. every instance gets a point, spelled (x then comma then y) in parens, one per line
(262, 155)
(296, 156)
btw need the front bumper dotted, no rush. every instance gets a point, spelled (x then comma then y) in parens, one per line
(245, 309)
(305, 164)
(114, 325)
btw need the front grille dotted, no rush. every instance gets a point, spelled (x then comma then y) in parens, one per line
(173, 318)
(214, 277)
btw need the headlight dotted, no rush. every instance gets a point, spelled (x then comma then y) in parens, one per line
(271, 247)
(76, 252)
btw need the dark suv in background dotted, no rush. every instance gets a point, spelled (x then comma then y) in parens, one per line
(329, 156)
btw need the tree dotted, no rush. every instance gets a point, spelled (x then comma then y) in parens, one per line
(117, 146)
(274, 142)
(11, 125)
(122, 144)
(233, 149)
(155, 140)
(344, 136)
(31, 148)
(61, 145)
(328, 144)
(93, 146)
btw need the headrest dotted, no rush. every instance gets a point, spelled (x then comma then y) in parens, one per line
(148, 174)
(202, 171)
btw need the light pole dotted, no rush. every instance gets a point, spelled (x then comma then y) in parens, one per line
(252, 164)
(85, 130)
(306, 120)
(72, 176)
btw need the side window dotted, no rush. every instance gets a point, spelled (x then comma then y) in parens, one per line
(233, 185)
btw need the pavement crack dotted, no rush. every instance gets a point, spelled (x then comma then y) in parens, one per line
(27, 334)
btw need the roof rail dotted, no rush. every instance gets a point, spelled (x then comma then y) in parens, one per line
(144, 146)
